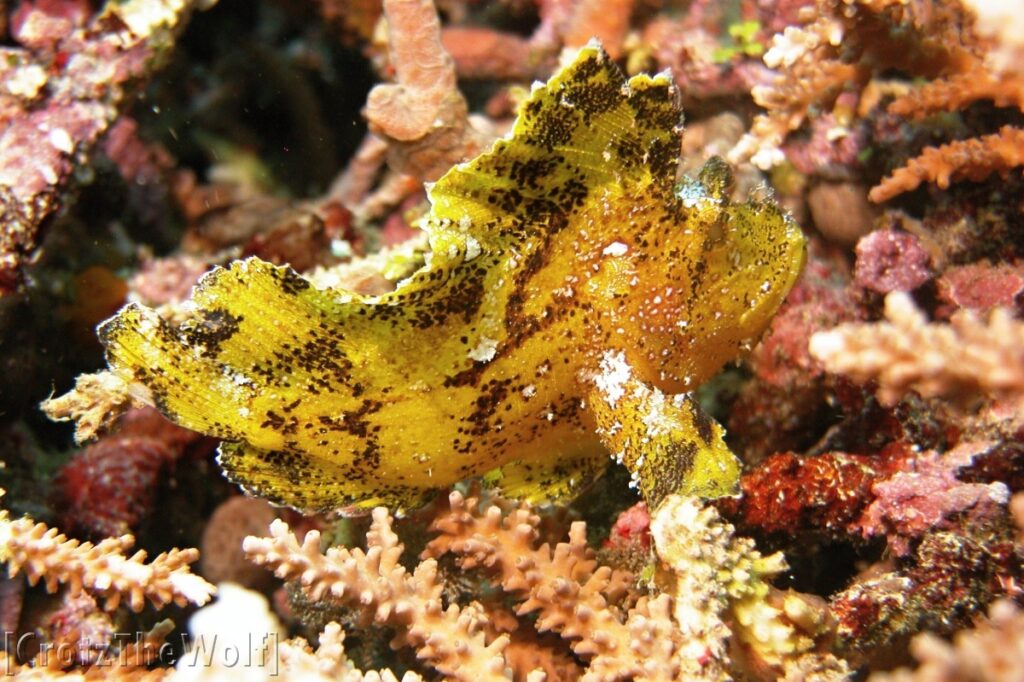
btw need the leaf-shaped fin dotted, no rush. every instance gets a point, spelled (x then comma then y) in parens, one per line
(586, 128)
(666, 442)
(306, 481)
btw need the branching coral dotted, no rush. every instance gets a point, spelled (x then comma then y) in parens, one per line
(329, 662)
(839, 48)
(716, 587)
(989, 652)
(972, 159)
(449, 639)
(564, 585)
(967, 358)
(103, 569)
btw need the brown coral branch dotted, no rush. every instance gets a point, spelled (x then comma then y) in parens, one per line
(972, 159)
(451, 640)
(102, 569)
(959, 361)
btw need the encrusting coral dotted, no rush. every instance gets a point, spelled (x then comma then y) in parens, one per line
(962, 360)
(102, 569)
(63, 89)
(559, 312)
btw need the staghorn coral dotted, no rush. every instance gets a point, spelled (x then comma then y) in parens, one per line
(973, 159)
(554, 336)
(961, 360)
(329, 662)
(449, 639)
(102, 569)
(639, 645)
(720, 587)
(716, 589)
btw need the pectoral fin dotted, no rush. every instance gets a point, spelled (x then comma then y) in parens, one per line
(668, 444)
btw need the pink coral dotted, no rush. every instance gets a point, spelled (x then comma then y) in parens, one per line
(889, 260)
(913, 501)
(631, 527)
(982, 286)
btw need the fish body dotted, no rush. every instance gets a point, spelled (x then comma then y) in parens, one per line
(573, 297)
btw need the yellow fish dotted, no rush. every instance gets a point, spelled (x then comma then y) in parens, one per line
(573, 297)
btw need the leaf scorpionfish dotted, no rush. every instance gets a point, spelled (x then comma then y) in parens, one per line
(574, 297)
